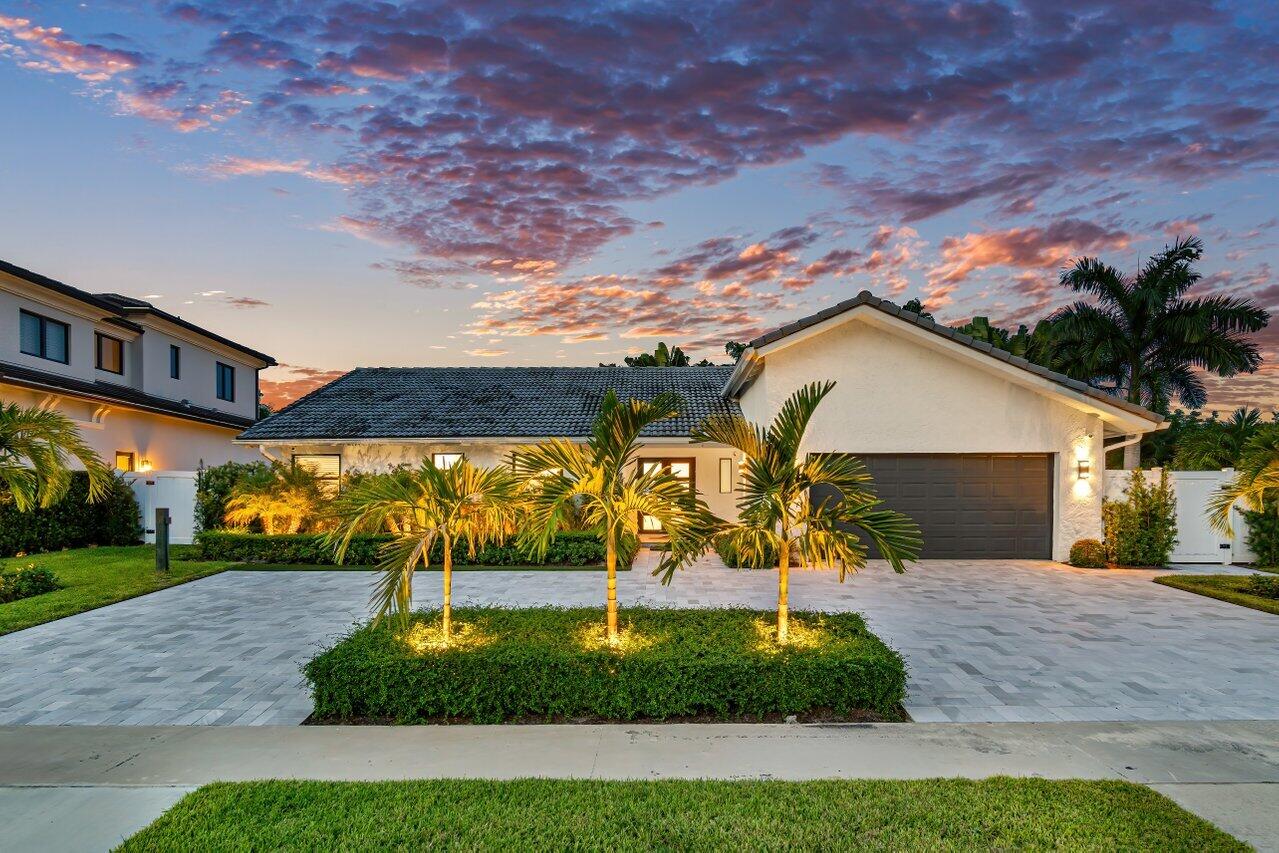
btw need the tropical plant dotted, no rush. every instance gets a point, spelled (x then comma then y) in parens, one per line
(1143, 339)
(1214, 444)
(734, 349)
(916, 306)
(458, 503)
(1141, 529)
(36, 448)
(1255, 485)
(1088, 554)
(602, 483)
(778, 513)
(213, 487)
(282, 497)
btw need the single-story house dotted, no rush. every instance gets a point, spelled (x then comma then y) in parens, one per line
(993, 456)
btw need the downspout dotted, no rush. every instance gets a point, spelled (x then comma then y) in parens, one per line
(262, 449)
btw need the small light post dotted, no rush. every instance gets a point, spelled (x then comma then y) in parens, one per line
(162, 540)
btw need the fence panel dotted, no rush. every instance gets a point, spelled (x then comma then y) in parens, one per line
(174, 490)
(1197, 541)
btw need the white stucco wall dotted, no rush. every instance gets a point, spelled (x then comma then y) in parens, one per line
(896, 394)
(166, 443)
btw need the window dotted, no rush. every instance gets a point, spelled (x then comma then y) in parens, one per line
(681, 469)
(175, 361)
(44, 338)
(327, 468)
(124, 461)
(226, 382)
(110, 353)
(446, 460)
(725, 476)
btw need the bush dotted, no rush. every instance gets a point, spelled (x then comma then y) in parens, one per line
(213, 488)
(25, 582)
(1263, 534)
(568, 549)
(1141, 530)
(547, 663)
(1088, 554)
(1266, 586)
(72, 522)
(732, 557)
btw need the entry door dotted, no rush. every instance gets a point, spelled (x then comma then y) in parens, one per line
(680, 469)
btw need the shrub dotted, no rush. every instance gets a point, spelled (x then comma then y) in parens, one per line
(72, 522)
(732, 557)
(568, 549)
(1263, 534)
(547, 662)
(1141, 530)
(25, 582)
(213, 489)
(1266, 586)
(1088, 554)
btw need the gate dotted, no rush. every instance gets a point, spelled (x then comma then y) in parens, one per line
(174, 490)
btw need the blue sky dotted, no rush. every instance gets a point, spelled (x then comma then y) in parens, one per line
(362, 183)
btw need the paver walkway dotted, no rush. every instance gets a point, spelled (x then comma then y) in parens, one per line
(985, 641)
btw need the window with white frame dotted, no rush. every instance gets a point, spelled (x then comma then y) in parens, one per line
(725, 476)
(327, 468)
(446, 460)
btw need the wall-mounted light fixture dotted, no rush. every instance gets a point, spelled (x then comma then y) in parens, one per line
(1085, 469)
(144, 465)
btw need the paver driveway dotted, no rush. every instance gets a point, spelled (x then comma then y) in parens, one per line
(985, 641)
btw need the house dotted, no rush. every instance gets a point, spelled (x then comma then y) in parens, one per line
(147, 389)
(993, 456)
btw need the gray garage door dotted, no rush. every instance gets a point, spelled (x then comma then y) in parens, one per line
(971, 506)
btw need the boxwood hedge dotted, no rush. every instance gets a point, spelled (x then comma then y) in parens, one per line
(551, 663)
(568, 549)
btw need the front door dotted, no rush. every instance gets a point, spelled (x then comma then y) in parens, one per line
(680, 469)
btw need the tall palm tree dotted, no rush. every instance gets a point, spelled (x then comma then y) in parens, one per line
(282, 497)
(36, 448)
(778, 512)
(1144, 339)
(601, 483)
(1256, 481)
(423, 506)
(1215, 444)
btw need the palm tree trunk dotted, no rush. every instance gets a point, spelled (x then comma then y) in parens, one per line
(783, 591)
(610, 562)
(447, 626)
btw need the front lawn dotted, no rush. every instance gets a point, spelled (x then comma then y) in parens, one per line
(92, 578)
(1232, 588)
(554, 664)
(543, 814)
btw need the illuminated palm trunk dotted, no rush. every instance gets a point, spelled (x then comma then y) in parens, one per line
(783, 591)
(610, 561)
(447, 626)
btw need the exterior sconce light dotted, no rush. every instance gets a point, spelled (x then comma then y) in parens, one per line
(144, 465)
(1085, 469)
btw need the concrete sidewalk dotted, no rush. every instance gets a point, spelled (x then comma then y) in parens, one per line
(1226, 772)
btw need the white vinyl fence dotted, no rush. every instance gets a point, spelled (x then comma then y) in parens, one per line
(173, 490)
(1197, 541)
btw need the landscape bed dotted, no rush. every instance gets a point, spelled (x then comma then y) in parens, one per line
(1231, 588)
(553, 664)
(931, 814)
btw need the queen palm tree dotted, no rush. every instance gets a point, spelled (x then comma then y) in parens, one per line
(423, 506)
(778, 512)
(36, 448)
(282, 497)
(1256, 481)
(602, 484)
(1143, 338)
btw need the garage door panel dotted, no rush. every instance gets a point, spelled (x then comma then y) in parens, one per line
(971, 506)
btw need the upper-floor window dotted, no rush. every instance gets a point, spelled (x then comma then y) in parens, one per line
(226, 382)
(175, 361)
(110, 353)
(44, 338)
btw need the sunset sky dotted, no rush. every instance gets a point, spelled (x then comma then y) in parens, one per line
(374, 183)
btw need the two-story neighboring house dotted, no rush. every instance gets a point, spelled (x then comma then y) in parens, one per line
(147, 389)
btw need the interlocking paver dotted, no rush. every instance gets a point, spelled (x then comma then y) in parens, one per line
(986, 641)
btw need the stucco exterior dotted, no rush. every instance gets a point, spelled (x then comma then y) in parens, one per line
(899, 392)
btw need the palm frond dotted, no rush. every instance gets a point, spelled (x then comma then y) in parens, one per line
(786, 432)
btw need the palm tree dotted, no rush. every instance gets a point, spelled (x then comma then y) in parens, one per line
(423, 506)
(1256, 481)
(602, 483)
(36, 446)
(1215, 444)
(1144, 340)
(778, 511)
(282, 497)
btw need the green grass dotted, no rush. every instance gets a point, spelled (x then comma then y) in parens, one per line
(541, 814)
(1229, 588)
(302, 567)
(92, 578)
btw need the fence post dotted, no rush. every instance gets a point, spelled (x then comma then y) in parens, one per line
(162, 539)
(1228, 553)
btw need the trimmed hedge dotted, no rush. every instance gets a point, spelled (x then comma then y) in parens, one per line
(568, 549)
(25, 582)
(1088, 554)
(73, 522)
(1263, 534)
(550, 662)
(732, 557)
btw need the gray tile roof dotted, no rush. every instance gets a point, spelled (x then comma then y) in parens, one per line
(867, 298)
(487, 402)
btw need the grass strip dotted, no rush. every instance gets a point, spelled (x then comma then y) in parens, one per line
(1229, 588)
